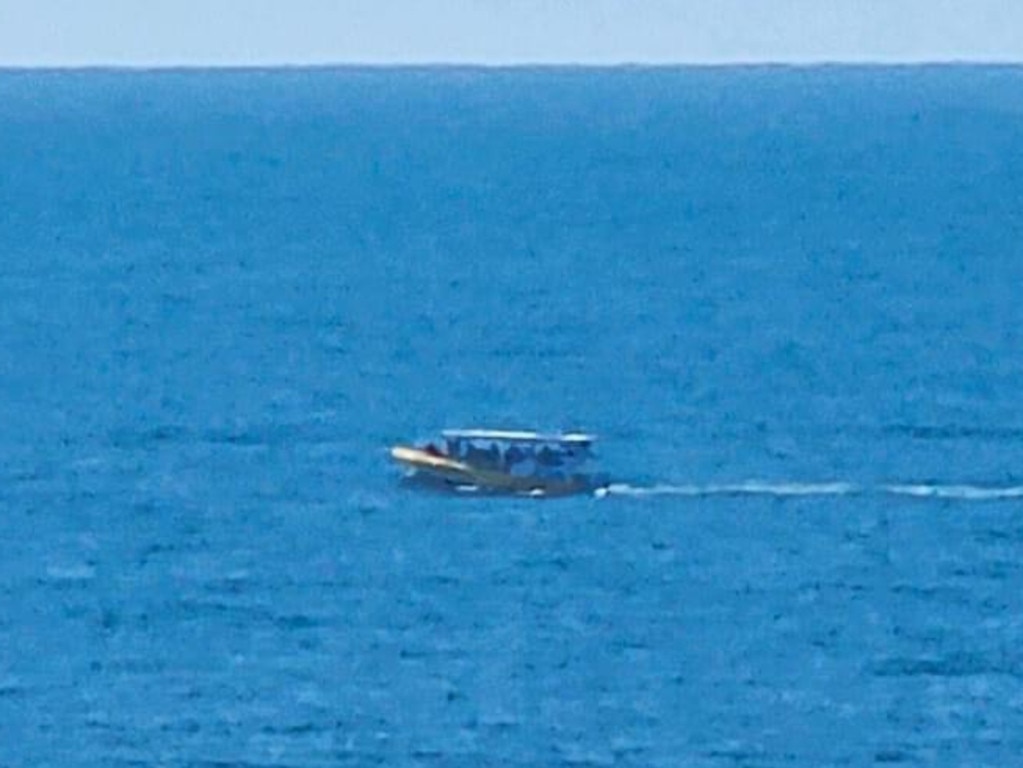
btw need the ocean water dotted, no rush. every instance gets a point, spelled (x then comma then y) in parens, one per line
(789, 300)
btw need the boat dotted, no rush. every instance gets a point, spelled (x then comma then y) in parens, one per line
(493, 461)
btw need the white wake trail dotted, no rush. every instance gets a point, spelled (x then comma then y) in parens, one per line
(958, 492)
(955, 492)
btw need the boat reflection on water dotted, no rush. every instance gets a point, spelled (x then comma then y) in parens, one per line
(489, 461)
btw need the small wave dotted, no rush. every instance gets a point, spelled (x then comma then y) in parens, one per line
(72, 574)
(11, 686)
(955, 432)
(368, 502)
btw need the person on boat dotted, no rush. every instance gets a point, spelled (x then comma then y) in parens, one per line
(548, 457)
(520, 463)
(512, 457)
(494, 457)
(432, 450)
(474, 456)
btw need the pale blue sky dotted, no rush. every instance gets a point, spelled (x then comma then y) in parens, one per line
(171, 32)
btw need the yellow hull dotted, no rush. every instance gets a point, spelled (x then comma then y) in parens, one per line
(456, 473)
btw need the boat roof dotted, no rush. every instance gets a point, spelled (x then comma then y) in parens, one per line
(515, 436)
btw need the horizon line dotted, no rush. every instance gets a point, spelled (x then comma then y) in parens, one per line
(441, 64)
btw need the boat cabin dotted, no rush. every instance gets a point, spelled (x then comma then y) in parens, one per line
(527, 454)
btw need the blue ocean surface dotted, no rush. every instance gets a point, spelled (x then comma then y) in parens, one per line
(790, 301)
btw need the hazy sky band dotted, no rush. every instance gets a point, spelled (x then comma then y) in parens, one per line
(234, 32)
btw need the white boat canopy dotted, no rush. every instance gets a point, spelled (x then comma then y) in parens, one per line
(513, 436)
